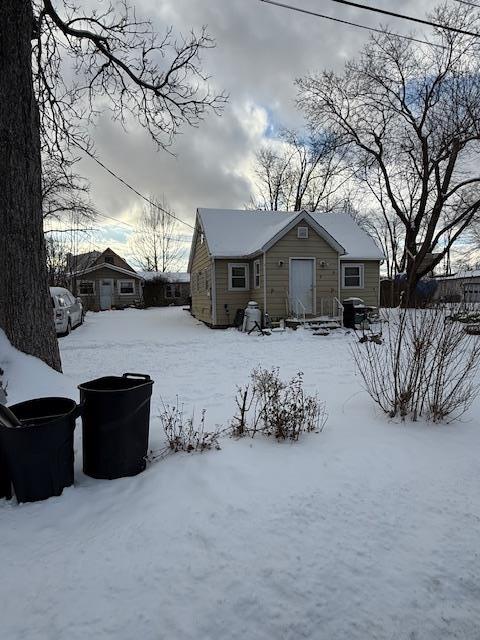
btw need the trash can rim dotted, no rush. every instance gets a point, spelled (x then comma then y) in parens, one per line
(45, 418)
(136, 383)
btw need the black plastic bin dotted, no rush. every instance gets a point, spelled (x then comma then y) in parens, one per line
(348, 315)
(353, 314)
(37, 456)
(115, 418)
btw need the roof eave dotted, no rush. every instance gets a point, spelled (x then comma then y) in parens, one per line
(198, 219)
(133, 274)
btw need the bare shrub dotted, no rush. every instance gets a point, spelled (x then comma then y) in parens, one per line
(186, 433)
(425, 367)
(3, 388)
(276, 408)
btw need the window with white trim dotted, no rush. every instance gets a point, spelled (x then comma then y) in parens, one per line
(126, 287)
(302, 232)
(86, 287)
(238, 277)
(256, 274)
(352, 276)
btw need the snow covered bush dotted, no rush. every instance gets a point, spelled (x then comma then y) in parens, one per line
(425, 367)
(186, 434)
(273, 407)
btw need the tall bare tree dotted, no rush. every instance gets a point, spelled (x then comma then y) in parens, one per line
(120, 64)
(64, 192)
(299, 172)
(156, 244)
(410, 113)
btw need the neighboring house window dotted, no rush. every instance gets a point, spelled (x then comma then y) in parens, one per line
(172, 291)
(256, 274)
(302, 232)
(202, 238)
(126, 287)
(238, 277)
(352, 276)
(86, 287)
(108, 259)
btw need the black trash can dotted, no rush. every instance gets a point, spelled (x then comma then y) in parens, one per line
(115, 419)
(37, 456)
(348, 315)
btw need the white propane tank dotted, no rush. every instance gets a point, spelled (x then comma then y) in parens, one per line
(252, 315)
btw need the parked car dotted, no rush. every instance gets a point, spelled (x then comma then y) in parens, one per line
(67, 310)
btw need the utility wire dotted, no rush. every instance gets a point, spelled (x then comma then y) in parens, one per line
(469, 4)
(393, 14)
(104, 215)
(351, 24)
(129, 186)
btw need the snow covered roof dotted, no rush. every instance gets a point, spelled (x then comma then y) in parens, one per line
(107, 265)
(166, 276)
(235, 233)
(461, 275)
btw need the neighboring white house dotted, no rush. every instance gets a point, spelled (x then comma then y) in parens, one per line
(463, 286)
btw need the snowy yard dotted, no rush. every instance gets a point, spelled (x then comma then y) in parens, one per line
(367, 531)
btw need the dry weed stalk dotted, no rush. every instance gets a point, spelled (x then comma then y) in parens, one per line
(276, 408)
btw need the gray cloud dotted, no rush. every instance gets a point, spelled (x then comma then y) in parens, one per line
(260, 50)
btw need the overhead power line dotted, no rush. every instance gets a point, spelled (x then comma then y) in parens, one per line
(351, 24)
(129, 186)
(469, 4)
(104, 215)
(393, 14)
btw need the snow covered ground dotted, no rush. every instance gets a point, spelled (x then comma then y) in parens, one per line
(367, 531)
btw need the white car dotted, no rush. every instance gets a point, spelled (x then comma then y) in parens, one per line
(67, 310)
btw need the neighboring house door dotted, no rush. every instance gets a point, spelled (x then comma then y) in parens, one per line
(302, 281)
(106, 294)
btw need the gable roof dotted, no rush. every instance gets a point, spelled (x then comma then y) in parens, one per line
(95, 260)
(118, 261)
(235, 233)
(82, 260)
(106, 265)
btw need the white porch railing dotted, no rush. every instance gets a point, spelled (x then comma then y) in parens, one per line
(329, 309)
(294, 306)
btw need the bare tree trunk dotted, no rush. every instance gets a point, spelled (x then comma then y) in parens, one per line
(25, 307)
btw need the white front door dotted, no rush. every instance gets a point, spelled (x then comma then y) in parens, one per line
(302, 281)
(106, 294)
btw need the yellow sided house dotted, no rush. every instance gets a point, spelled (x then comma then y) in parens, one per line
(292, 264)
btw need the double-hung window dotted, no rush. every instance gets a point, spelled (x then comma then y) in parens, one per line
(238, 277)
(352, 276)
(126, 287)
(86, 287)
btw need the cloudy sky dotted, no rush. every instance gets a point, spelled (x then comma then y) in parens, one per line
(260, 50)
